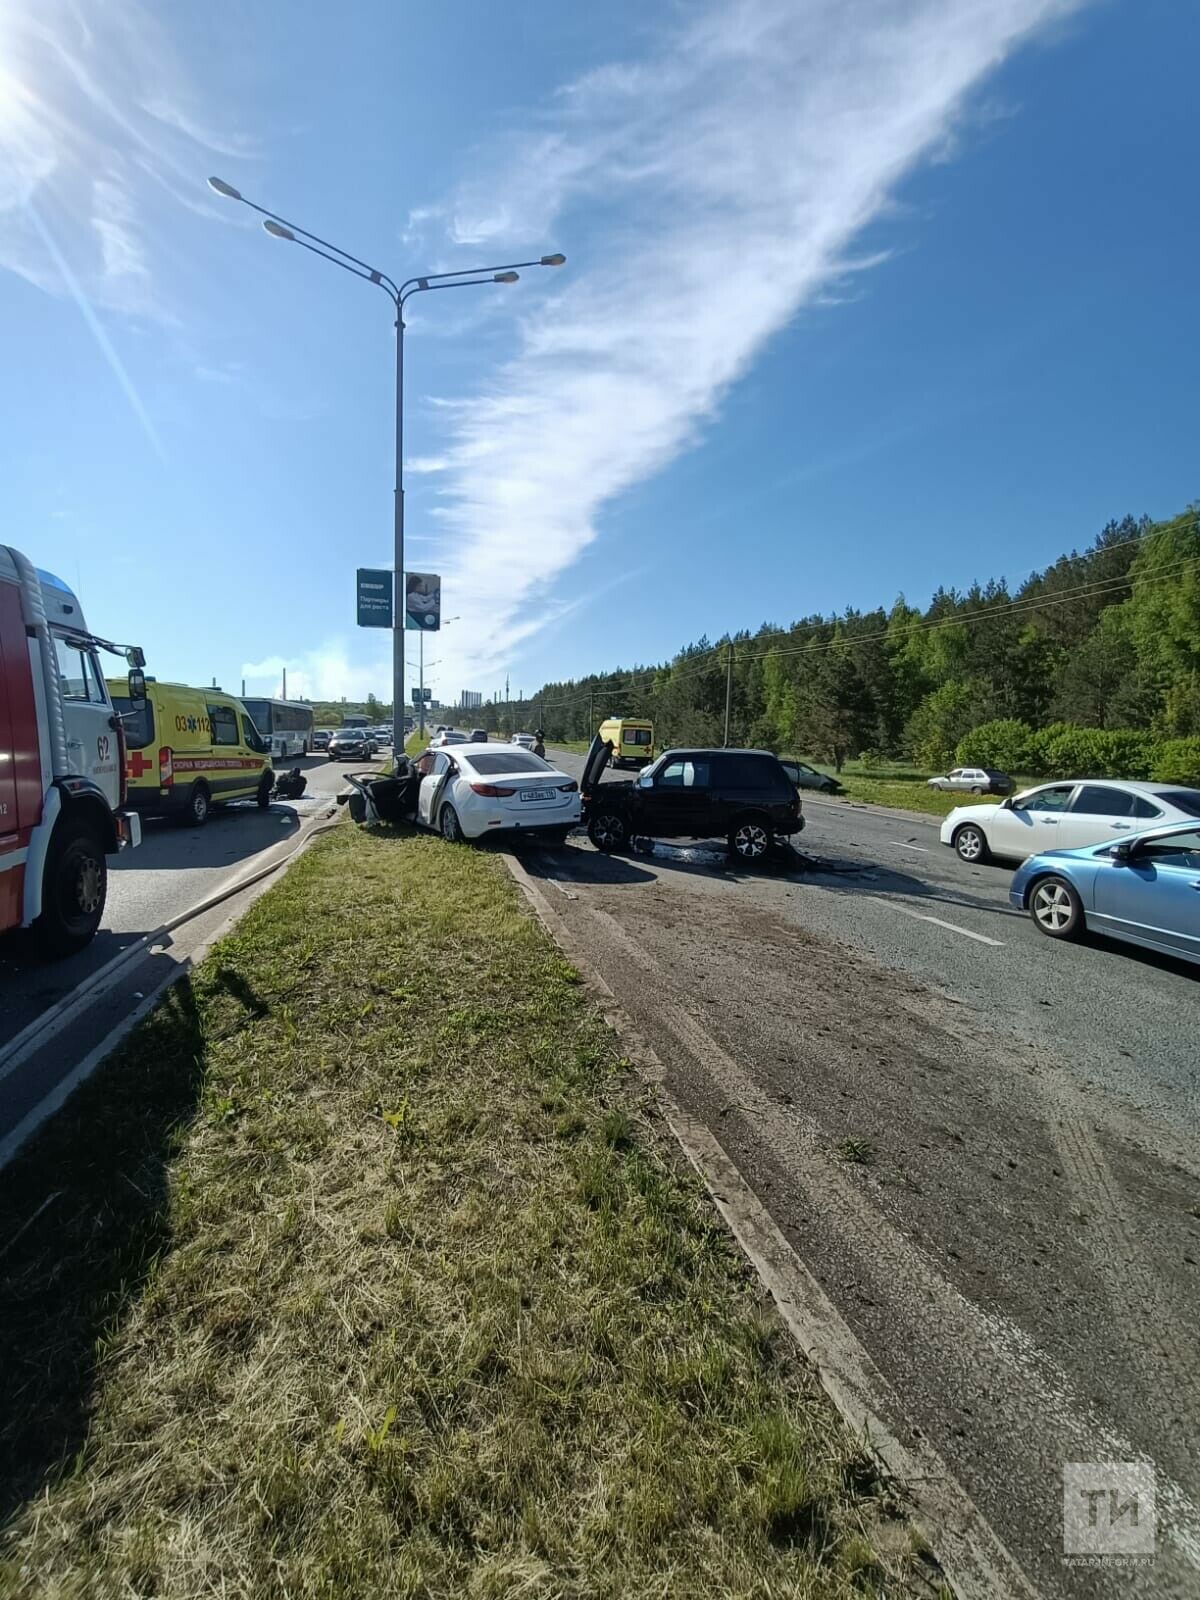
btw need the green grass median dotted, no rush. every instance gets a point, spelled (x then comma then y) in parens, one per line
(364, 1268)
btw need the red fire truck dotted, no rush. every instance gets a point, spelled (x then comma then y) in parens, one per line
(62, 760)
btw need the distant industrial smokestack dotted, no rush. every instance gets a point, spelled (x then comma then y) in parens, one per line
(285, 683)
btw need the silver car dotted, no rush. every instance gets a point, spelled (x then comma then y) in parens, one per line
(974, 780)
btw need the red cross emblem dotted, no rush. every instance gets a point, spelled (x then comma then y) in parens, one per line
(138, 764)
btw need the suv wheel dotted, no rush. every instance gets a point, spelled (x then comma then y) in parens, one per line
(607, 830)
(750, 838)
(971, 844)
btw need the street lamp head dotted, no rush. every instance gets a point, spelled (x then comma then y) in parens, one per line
(556, 260)
(277, 229)
(505, 277)
(219, 186)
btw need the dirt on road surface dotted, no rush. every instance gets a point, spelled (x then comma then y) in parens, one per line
(1016, 1249)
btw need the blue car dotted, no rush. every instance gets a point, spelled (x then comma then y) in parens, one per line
(1145, 889)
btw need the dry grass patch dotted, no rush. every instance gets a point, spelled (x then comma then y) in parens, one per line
(369, 1274)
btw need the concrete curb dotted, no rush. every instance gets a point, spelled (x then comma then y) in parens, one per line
(259, 882)
(973, 1558)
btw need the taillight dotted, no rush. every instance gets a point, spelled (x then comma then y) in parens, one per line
(492, 791)
(166, 768)
(122, 759)
(568, 788)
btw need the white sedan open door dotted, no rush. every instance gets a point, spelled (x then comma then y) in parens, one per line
(1032, 822)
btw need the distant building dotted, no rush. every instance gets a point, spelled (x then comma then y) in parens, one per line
(470, 700)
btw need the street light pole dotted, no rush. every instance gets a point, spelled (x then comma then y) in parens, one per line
(280, 228)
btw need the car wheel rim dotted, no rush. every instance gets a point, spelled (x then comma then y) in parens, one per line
(199, 808)
(449, 829)
(608, 831)
(750, 841)
(969, 845)
(1052, 906)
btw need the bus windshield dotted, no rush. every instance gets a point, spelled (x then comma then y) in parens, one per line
(260, 711)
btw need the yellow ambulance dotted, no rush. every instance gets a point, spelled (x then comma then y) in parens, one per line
(632, 740)
(188, 750)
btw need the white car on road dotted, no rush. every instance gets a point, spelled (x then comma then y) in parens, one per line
(476, 789)
(524, 741)
(1065, 816)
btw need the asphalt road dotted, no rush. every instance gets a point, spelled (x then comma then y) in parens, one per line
(981, 1142)
(173, 869)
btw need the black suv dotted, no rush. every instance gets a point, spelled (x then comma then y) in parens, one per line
(744, 796)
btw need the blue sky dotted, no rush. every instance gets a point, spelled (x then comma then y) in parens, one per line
(862, 296)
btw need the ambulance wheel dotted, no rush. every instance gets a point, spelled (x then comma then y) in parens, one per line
(263, 797)
(198, 806)
(76, 885)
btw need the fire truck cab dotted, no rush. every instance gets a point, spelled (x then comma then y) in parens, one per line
(62, 760)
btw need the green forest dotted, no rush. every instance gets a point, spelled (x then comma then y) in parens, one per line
(1092, 665)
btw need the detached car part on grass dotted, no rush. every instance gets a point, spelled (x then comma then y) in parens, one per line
(743, 796)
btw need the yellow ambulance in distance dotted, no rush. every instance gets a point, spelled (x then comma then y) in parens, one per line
(632, 740)
(188, 750)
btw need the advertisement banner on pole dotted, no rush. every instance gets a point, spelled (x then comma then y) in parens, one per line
(422, 602)
(374, 597)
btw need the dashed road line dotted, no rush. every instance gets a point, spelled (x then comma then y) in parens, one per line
(953, 927)
(902, 844)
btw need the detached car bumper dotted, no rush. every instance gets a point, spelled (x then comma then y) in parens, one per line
(129, 830)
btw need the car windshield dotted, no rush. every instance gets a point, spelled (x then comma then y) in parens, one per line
(138, 720)
(511, 761)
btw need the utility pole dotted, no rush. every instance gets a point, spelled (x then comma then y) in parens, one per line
(284, 695)
(728, 690)
(421, 707)
(243, 688)
(592, 713)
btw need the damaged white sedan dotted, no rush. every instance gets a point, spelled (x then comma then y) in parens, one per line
(473, 790)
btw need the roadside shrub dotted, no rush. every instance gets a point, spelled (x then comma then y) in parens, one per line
(1177, 761)
(1065, 751)
(1004, 743)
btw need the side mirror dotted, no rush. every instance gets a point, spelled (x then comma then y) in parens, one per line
(645, 781)
(1122, 853)
(1007, 803)
(137, 685)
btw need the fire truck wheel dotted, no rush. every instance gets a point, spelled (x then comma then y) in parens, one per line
(75, 890)
(195, 813)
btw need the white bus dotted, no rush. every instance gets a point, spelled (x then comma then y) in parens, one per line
(286, 725)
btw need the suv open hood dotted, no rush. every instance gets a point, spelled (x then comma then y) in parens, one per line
(594, 764)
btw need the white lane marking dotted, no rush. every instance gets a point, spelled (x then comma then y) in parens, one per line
(904, 845)
(921, 916)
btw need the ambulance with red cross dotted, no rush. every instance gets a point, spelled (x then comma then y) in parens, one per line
(190, 750)
(62, 760)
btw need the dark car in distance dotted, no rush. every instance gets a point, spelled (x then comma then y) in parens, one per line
(479, 736)
(351, 744)
(806, 777)
(742, 796)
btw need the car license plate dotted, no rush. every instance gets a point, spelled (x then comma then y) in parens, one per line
(537, 794)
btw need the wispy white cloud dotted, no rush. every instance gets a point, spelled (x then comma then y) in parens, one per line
(717, 187)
